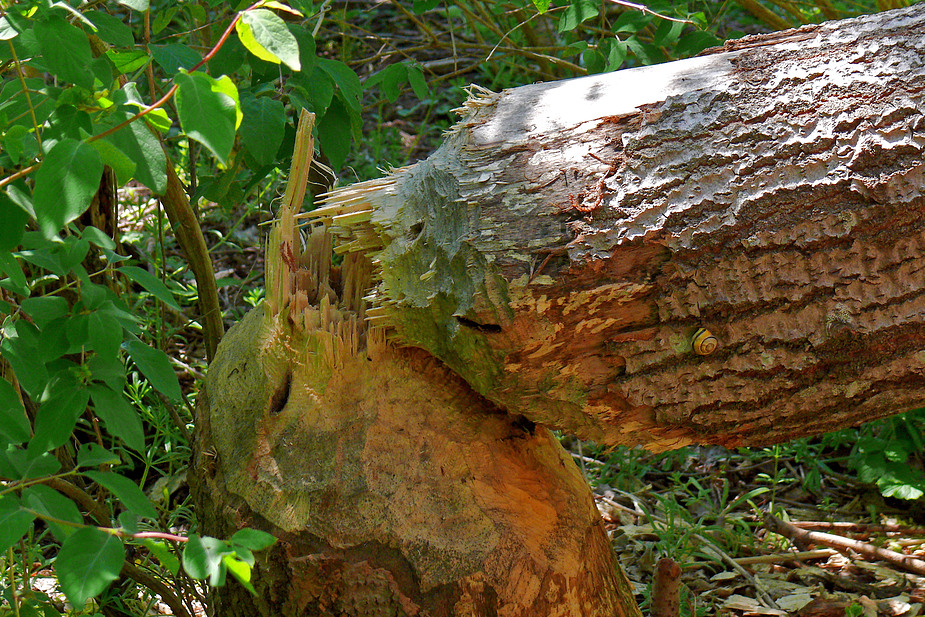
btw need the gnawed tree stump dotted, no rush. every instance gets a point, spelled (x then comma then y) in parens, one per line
(549, 267)
(394, 487)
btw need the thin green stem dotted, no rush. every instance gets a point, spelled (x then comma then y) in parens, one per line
(25, 91)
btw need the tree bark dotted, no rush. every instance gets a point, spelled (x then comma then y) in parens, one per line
(555, 264)
(393, 487)
(563, 246)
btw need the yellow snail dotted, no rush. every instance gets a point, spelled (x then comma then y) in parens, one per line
(704, 343)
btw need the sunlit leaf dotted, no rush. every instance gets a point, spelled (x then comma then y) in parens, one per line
(162, 552)
(207, 114)
(240, 570)
(138, 5)
(266, 36)
(202, 558)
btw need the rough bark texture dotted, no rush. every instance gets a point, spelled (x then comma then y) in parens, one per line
(549, 267)
(563, 246)
(394, 488)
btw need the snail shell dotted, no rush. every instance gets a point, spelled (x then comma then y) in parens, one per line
(704, 343)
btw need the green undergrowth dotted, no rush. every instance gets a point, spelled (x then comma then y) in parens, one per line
(102, 338)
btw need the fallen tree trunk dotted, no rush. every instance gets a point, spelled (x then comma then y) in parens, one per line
(555, 264)
(565, 244)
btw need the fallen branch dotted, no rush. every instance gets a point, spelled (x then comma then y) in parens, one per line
(802, 538)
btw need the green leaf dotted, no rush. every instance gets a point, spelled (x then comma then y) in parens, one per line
(50, 503)
(419, 6)
(541, 5)
(138, 5)
(14, 522)
(120, 417)
(97, 237)
(19, 345)
(155, 366)
(151, 283)
(14, 426)
(174, 57)
(87, 563)
(93, 455)
(646, 53)
(616, 54)
(111, 29)
(16, 279)
(901, 491)
(163, 554)
(66, 50)
(29, 467)
(224, 85)
(207, 114)
(334, 133)
(667, 33)
(418, 82)
(253, 539)
(228, 58)
(240, 570)
(266, 36)
(105, 334)
(390, 79)
(128, 95)
(577, 12)
(126, 491)
(162, 18)
(263, 127)
(122, 164)
(109, 369)
(594, 60)
(128, 61)
(56, 419)
(318, 90)
(346, 80)
(202, 557)
(8, 31)
(65, 183)
(307, 55)
(14, 223)
(44, 309)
